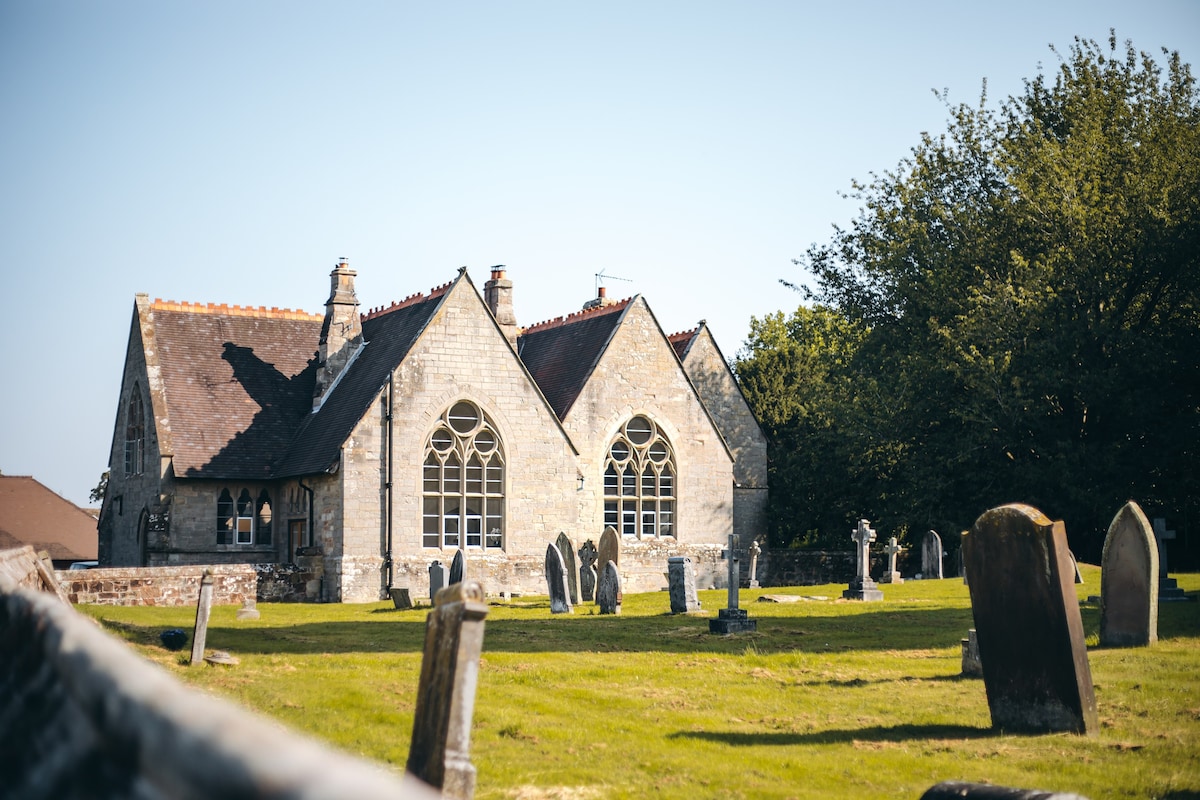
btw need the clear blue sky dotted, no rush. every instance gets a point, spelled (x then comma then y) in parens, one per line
(230, 152)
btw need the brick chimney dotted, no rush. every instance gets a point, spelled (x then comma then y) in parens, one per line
(497, 293)
(341, 333)
(600, 301)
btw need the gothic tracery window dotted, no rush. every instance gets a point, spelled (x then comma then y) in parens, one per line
(463, 482)
(639, 481)
(135, 434)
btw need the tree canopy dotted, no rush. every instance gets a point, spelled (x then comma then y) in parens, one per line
(1011, 317)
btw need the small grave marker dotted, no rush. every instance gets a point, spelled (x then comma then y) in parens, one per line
(892, 575)
(203, 609)
(1129, 581)
(681, 583)
(439, 578)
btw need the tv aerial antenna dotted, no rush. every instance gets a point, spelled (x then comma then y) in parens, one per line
(601, 278)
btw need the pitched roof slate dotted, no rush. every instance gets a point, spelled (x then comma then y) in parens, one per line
(32, 514)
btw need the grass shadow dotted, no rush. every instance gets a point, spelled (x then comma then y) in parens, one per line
(876, 733)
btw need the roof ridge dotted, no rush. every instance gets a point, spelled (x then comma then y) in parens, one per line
(678, 337)
(576, 316)
(235, 311)
(411, 300)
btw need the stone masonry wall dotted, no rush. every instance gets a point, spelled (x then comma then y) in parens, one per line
(233, 584)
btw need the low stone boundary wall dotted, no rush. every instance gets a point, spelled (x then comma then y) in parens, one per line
(816, 567)
(85, 717)
(233, 584)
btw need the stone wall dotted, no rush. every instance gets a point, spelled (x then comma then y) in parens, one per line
(816, 567)
(86, 717)
(233, 584)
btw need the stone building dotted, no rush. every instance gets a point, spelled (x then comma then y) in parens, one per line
(367, 446)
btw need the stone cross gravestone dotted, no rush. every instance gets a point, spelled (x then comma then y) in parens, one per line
(440, 752)
(587, 570)
(681, 584)
(556, 581)
(732, 619)
(610, 550)
(862, 587)
(1035, 666)
(755, 552)
(931, 555)
(892, 575)
(567, 551)
(1129, 581)
(608, 593)
(1168, 587)
(439, 578)
(458, 567)
(203, 609)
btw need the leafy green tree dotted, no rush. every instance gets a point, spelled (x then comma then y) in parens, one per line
(1026, 288)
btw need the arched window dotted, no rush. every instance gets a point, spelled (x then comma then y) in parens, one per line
(225, 518)
(246, 521)
(639, 481)
(262, 522)
(463, 481)
(135, 434)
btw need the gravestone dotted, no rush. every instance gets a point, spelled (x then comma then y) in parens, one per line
(681, 583)
(971, 665)
(755, 552)
(1168, 587)
(1129, 581)
(892, 575)
(732, 619)
(1035, 666)
(608, 593)
(862, 587)
(931, 555)
(401, 598)
(587, 571)
(567, 551)
(610, 550)
(458, 567)
(439, 578)
(249, 609)
(203, 609)
(556, 581)
(440, 751)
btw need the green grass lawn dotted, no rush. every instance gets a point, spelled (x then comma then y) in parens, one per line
(827, 699)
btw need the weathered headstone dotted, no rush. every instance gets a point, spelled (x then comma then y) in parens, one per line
(610, 550)
(1129, 581)
(567, 551)
(892, 575)
(971, 665)
(458, 567)
(862, 587)
(439, 578)
(931, 555)
(608, 593)
(732, 619)
(203, 609)
(556, 581)
(1035, 666)
(440, 752)
(681, 584)
(755, 552)
(249, 609)
(587, 571)
(1168, 587)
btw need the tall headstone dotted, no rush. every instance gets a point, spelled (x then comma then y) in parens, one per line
(1129, 581)
(681, 584)
(931, 555)
(608, 593)
(458, 567)
(587, 570)
(755, 552)
(862, 587)
(1035, 666)
(440, 752)
(203, 609)
(439, 578)
(732, 619)
(892, 575)
(610, 550)
(567, 551)
(1168, 587)
(556, 581)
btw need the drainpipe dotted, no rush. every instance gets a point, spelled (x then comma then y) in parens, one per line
(387, 505)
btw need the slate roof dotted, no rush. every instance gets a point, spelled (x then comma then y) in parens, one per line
(682, 341)
(237, 384)
(390, 335)
(562, 353)
(32, 514)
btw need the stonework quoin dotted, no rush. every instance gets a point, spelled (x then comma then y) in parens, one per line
(556, 581)
(587, 570)
(441, 738)
(681, 585)
(1129, 581)
(608, 593)
(931, 555)
(1035, 666)
(567, 551)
